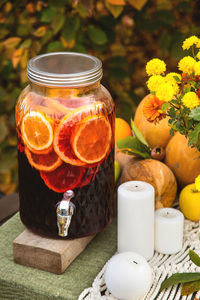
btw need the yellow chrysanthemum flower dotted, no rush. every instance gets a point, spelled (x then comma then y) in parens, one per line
(193, 40)
(174, 85)
(170, 79)
(197, 183)
(154, 81)
(191, 100)
(155, 66)
(197, 68)
(171, 76)
(165, 92)
(198, 55)
(186, 65)
(198, 44)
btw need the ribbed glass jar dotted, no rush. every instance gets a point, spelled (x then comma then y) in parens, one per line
(65, 127)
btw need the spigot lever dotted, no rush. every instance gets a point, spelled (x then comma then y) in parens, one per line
(65, 211)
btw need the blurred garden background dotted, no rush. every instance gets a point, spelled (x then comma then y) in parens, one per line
(124, 34)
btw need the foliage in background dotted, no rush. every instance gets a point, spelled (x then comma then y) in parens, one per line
(123, 34)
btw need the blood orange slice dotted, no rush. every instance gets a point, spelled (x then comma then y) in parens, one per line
(63, 132)
(37, 131)
(43, 162)
(66, 177)
(91, 141)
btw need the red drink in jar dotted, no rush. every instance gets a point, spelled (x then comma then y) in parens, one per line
(65, 126)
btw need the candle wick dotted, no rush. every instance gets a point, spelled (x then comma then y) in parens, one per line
(135, 262)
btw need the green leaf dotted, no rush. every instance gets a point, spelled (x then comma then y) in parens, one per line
(115, 10)
(138, 4)
(138, 134)
(194, 258)
(195, 114)
(26, 43)
(133, 145)
(177, 78)
(172, 132)
(190, 288)
(48, 15)
(193, 83)
(186, 90)
(165, 106)
(172, 112)
(55, 46)
(82, 10)
(97, 35)
(70, 28)
(194, 135)
(58, 23)
(179, 278)
(46, 38)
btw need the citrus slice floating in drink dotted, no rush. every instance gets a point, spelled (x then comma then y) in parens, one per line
(66, 177)
(45, 151)
(91, 140)
(64, 132)
(43, 162)
(37, 132)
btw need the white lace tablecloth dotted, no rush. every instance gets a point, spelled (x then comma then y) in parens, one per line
(163, 266)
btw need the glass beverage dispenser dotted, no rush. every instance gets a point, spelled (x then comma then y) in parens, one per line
(65, 128)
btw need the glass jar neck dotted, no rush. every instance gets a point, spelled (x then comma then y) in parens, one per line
(63, 91)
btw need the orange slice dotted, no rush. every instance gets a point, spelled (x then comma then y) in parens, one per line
(43, 162)
(45, 151)
(64, 132)
(91, 140)
(37, 131)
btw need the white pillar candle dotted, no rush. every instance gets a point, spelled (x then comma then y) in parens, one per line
(168, 230)
(136, 218)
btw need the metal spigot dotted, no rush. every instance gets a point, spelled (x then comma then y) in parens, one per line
(65, 211)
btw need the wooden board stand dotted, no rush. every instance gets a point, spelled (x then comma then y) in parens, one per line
(51, 255)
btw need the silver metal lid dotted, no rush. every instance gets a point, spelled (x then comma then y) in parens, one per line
(64, 69)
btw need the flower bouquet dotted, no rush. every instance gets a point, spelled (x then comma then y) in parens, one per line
(177, 95)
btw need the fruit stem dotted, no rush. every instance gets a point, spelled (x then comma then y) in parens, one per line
(158, 153)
